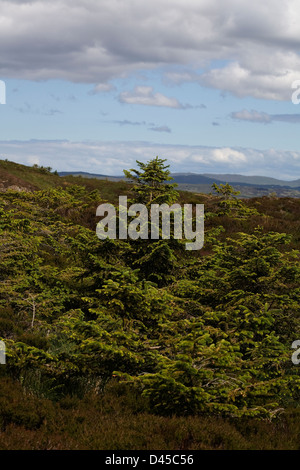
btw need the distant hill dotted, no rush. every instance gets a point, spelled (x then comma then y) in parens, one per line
(205, 178)
(191, 178)
(249, 186)
(30, 178)
(256, 180)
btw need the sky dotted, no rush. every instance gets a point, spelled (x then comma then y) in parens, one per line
(213, 86)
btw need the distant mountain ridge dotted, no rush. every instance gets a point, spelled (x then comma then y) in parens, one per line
(261, 180)
(204, 178)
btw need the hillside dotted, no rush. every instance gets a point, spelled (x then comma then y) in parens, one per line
(14, 175)
(166, 348)
(255, 180)
(21, 177)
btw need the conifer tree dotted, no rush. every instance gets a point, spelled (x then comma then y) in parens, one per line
(151, 182)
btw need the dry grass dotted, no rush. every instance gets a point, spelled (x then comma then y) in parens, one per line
(113, 422)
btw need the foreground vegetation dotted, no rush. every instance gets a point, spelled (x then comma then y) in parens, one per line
(115, 421)
(141, 344)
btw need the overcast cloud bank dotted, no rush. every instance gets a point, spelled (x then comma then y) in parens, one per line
(111, 158)
(95, 42)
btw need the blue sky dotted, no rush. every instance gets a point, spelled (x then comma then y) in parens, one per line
(95, 85)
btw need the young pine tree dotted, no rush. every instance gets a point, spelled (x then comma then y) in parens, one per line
(151, 185)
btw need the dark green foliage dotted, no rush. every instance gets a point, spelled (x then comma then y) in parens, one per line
(151, 185)
(182, 334)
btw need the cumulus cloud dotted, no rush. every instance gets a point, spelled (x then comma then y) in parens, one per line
(112, 157)
(255, 43)
(144, 95)
(245, 79)
(228, 155)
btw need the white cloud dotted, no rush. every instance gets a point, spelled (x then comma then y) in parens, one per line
(144, 95)
(228, 155)
(273, 83)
